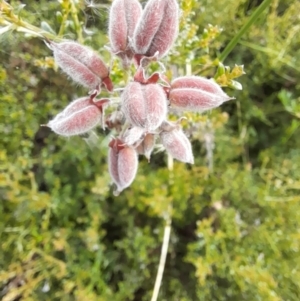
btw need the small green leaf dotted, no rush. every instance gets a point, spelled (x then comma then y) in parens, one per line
(46, 27)
(59, 17)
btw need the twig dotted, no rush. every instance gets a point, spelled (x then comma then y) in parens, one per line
(166, 239)
(162, 262)
(77, 24)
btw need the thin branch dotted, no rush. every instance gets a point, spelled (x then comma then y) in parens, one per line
(166, 239)
(77, 24)
(162, 262)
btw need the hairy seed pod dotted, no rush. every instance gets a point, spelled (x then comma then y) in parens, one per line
(86, 56)
(157, 28)
(144, 106)
(197, 82)
(76, 123)
(122, 163)
(80, 116)
(82, 64)
(146, 146)
(73, 107)
(76, 70)
(76, 105)
(177, 145)
(124, 15)
(196, 93)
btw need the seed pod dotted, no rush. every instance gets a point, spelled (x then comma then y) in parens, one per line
(146, 146)
(124, 15)
(197, 82)
(122, 163)
(196, 93)
(76, 105)
(77, 118)
(177, 145)
(77, 123)
(144, 106)
(157, 28)
(82, 64)
(76, 70)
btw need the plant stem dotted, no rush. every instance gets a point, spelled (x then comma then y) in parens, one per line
(77, 24)
(162, 261)
(166, 239)
(9, 18)
(244, 29)
(63, 22)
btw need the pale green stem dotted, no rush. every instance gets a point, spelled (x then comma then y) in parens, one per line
(21, 25)
(8, 18)
(162, 261)
(63, 23)
(78, 28)
(166, 239)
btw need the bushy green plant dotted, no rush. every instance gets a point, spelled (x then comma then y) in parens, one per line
(235, 213)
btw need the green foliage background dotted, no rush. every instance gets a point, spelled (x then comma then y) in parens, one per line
(236, 227)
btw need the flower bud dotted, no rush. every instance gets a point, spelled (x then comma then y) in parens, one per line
(122, 163)
(196, 93)
(146, 146)
(82, 64)
(124, 15)
(79, 117)
(144, 106)
(177, 145)
(157, 28)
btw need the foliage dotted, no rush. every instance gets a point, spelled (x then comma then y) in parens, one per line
(235, 231)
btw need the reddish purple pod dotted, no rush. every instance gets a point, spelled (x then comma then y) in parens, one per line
(122, 164)
(82, 64)
(79, 117)
(76, 70)
(196, 93)
(76, 105)
(157, 28)
(124, 15)
(77, 123)
(73, 107)
(144, 106)
(177, 145)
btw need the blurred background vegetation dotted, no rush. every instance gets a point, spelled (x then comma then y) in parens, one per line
(236, 212)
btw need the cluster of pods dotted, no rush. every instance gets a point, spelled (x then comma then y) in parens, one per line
(137, 36)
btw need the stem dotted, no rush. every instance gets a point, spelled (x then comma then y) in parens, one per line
(241, 130)
(76, 22)
(8, 17)
(63, 22)
(162, 261)
(244, 29)
(166, 239)
(26, 27)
